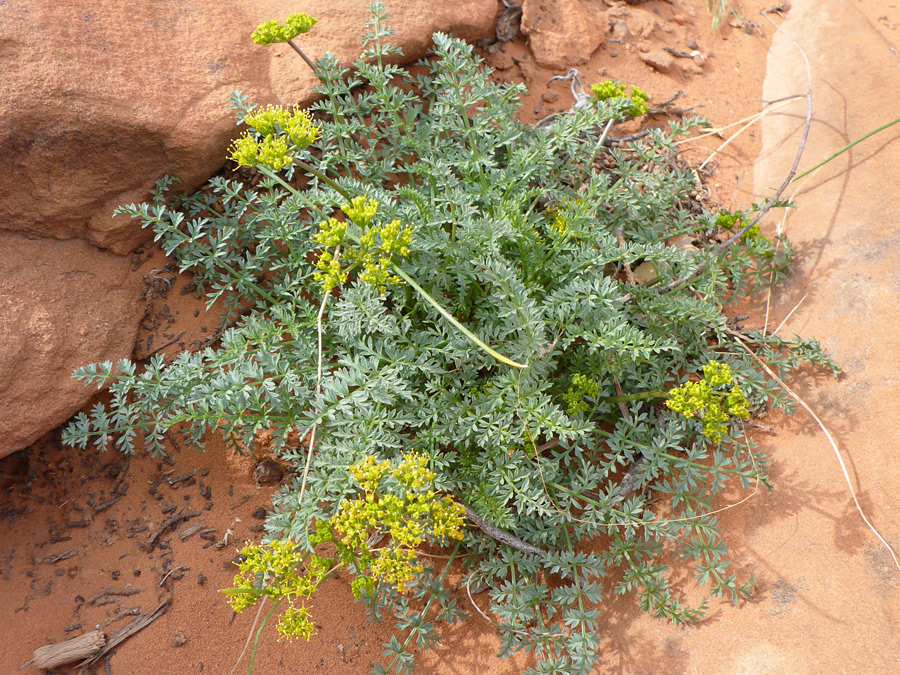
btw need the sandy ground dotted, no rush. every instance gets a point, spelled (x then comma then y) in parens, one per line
(76, 524)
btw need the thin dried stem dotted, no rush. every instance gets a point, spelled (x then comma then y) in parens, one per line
(768, 205)
(784, 320)
(249, 636)
(831, 441)
(312, 433)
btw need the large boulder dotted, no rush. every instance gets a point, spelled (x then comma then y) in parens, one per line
(99, 101)
(61, 307)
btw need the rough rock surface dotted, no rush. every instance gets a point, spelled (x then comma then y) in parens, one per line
(563, 33)
(96, 105)
(659, 59)
(100, 102)
(341, 25)
(57, 312)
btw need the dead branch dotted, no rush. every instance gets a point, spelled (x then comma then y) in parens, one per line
(75, 649)
(167, 523)
(504, 537)
(133, 626)
(766, 207)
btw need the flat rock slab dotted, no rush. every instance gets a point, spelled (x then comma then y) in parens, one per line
(828, 593)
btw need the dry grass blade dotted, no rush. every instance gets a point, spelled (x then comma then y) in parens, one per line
(718, 9)
(750, 121)
(831, 441)
(628, 297)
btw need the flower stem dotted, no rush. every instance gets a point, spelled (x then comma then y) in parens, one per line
(447, 315)
(312, 66)
(637, 397)
(306, 167)
(259, 632)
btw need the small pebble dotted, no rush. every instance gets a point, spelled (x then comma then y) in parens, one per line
(268, 472)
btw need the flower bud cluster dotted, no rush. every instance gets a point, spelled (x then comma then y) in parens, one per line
(375, 252)
(399, 500)
(730, 221)
(582, 387)
(271, 31)
(278, 570)
(611, 89)
(713, 407)
(276, 132)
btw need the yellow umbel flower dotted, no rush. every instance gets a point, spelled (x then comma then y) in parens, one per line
(407, 508)
(611, 89)
(375, 252)
(271, 31)
(273, 120)
(702, 400)
(278, 570)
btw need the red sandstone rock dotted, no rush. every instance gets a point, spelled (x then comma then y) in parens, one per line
(658, 59)
(97, 103)
(100, 101)
(63, 304)
(563, 33)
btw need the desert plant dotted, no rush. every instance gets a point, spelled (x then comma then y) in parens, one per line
(429, 302)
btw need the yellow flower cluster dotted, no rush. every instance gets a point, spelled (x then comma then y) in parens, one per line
(714, 407)
(273, 570)
(276, 131)
(729, 220)
(298, 125)
(582, 386)
(375, 252)
(360, 210)
(271, 31)
(611, 89)
(401, 501)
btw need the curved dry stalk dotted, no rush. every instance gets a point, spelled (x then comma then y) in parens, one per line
(831, 441)
(748, 121)
(499, 626)
(312, 432)
(772, 200)
(249, 636)
(504, 537)
(784, 320)
(753, 120)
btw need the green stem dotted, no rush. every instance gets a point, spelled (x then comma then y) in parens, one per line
(430, 600)
(845, 148)
(312, 66)
(447, 315)
(306, 167)
(637, 397)
(259, 632)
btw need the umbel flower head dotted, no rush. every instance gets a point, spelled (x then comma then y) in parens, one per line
(271, 31)
(611, 89)
(377, 249)
(713, 407)
(400, 500)
(276, 131)
(280, 571)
